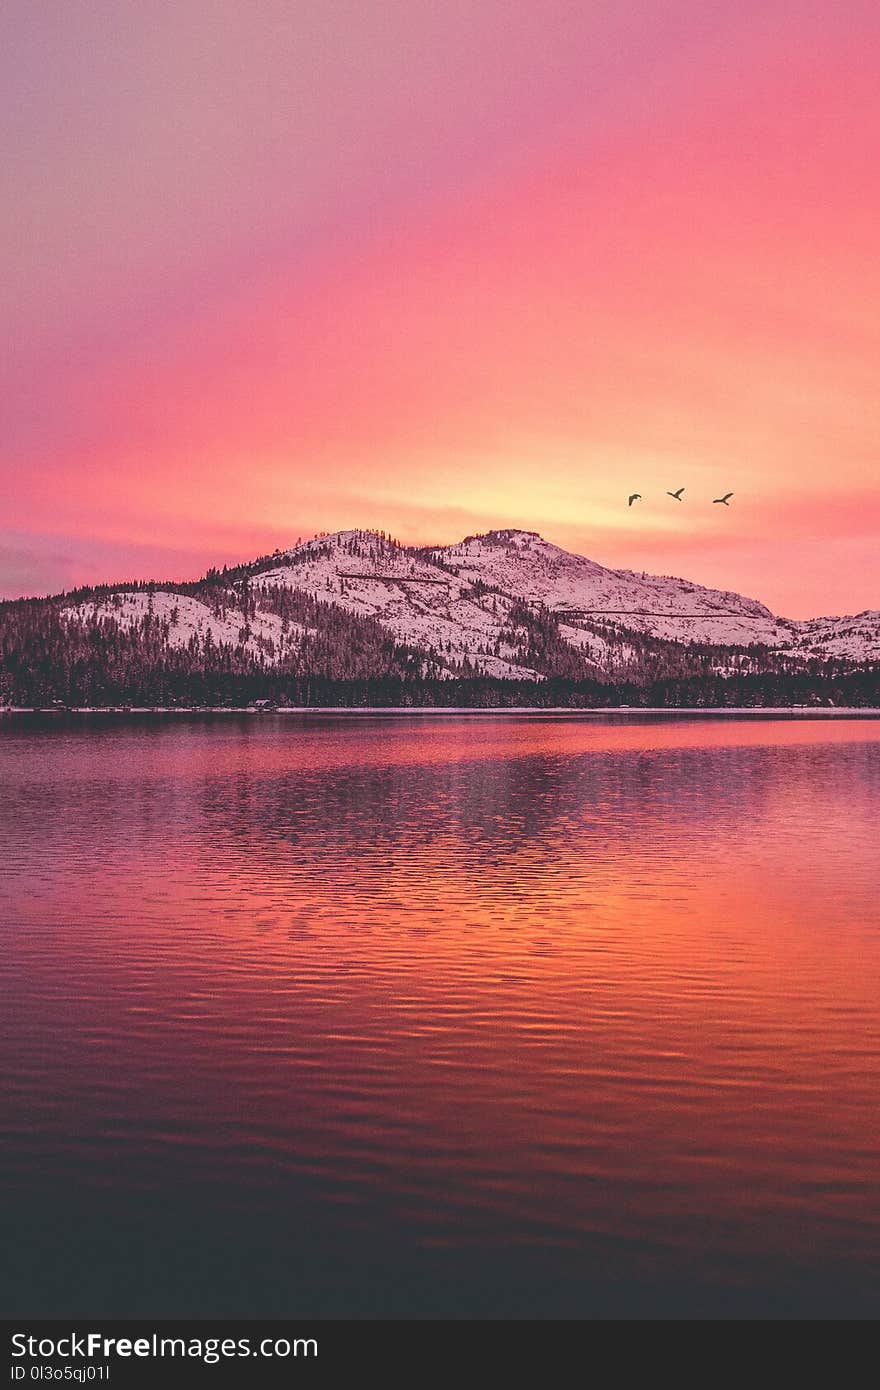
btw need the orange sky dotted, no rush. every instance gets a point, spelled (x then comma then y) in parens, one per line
(439, 272)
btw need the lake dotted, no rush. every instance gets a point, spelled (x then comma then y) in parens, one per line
(440, 1015)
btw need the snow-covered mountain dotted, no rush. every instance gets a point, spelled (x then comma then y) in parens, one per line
(471, 607)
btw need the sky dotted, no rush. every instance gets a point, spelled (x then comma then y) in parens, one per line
(273, 267)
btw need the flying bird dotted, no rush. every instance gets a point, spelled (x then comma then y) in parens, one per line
(634, 497)
(725, 500)
(676, 495)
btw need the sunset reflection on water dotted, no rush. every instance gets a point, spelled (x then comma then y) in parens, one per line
(558, 1006)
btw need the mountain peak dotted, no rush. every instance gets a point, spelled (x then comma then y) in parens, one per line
(353, 540)
(459, 603)
(506, 603)
(503, 537)
(506, 534)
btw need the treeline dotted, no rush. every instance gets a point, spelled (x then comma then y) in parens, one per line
(858, 689)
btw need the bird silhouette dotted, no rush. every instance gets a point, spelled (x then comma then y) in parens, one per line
(635, 497)
(676, 495)
(725, 500)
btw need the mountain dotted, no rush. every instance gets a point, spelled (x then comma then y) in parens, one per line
(463, 603)
(358, 605)
(459, 599)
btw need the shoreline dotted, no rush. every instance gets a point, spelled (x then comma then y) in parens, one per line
(432, 711)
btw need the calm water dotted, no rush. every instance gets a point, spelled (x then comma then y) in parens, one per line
(468, 1016)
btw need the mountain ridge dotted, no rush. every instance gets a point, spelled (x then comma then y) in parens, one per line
(355, 605)
(521, 565)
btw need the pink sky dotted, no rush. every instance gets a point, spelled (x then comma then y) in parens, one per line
(272, 268)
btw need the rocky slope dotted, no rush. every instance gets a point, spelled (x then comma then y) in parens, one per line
(477, 607)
